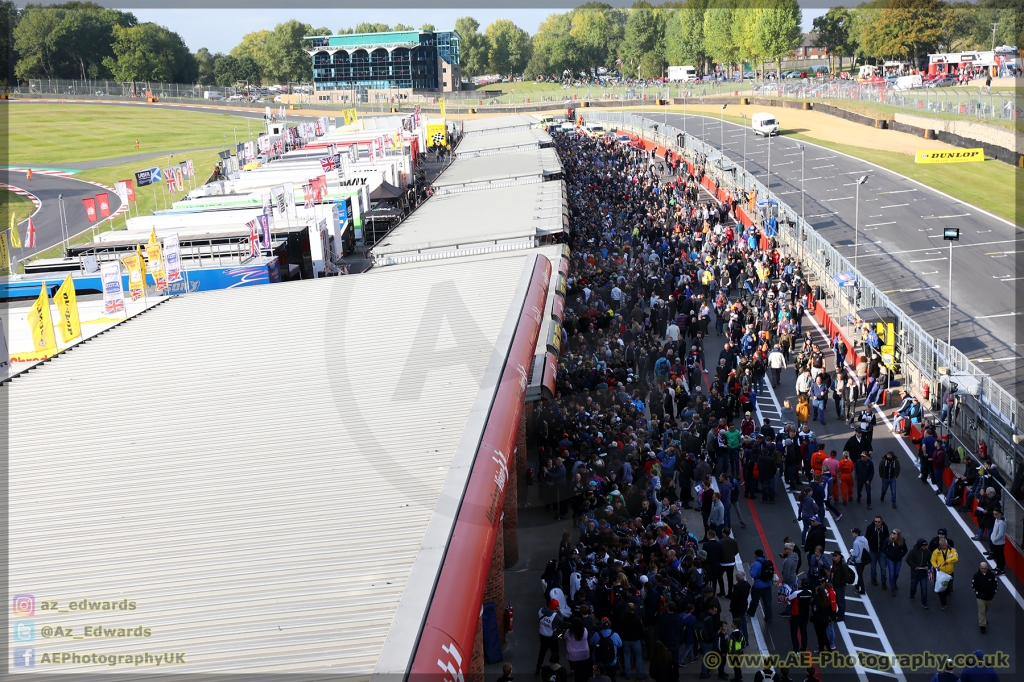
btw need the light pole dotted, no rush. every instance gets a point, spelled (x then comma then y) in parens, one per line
(950, 234)
(856, 224)
(722, 120)
(702, 120)
(802, 195)
(744, 117)
(768, 180)
(236, 136)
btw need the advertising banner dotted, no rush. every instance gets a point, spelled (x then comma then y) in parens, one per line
(949, 156)
(103, 203)
(172, 259)
(113, 292)
(5, 253)
(67, 306)
(136, 274)
(90, 209)
(41, 323)
(155, 265)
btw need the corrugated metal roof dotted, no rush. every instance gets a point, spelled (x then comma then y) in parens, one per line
(257, 468)
(503, 142)
(476, 172)
(497, 124)
(454, 222)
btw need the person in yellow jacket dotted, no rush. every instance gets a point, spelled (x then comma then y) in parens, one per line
(944, 559)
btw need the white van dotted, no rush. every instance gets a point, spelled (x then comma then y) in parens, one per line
(909, 82)
(764, 124)
(685, 74)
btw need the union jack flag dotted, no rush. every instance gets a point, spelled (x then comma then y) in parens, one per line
(328, 163)
(307, 190)
(254, 238)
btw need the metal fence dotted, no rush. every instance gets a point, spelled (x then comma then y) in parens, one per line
(959, 102)
(993, 414)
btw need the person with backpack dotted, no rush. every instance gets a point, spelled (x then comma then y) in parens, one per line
(823, 612)
(605, 645)
(762, 573)
(550, 624)
(705, 630)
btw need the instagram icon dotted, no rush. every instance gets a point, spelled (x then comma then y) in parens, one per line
(24, 605)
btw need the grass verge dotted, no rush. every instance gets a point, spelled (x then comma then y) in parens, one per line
(20, 206)
(147, 199)
(55, 134)
(980, 184)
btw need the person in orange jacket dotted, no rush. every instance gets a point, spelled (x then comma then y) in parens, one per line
(818, 460)
(846, 477)
(28, 174)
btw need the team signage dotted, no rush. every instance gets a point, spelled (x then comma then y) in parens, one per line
(950, 156)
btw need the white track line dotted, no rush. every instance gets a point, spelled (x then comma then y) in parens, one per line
(872, 615)
(951, 510)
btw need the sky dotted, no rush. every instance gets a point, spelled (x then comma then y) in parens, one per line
(221, 29)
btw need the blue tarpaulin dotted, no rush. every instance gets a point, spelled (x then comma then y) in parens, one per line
(845, 279)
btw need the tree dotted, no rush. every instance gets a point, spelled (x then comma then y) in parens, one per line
(509, 47)
(427, 27)
(402, 27)
(225, 70)
(777, 30)
(66, 41)
(718, 30)
(832, 32)
(368, 27)
(684, 36)
(900, 28)
(204, 63)
(248, 69)
(644, 35)
(961, 24)
(254, 46)
(150, 52)
(474, 48)
(9, 16)
(594, 30)
(285, 60)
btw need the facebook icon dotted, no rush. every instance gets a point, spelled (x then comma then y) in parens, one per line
(24, 657)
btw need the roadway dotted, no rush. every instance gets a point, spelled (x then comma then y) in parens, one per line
(878, 623)
(48, 189)
(901, 250)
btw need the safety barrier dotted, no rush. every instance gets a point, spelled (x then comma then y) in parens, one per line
(991, 415)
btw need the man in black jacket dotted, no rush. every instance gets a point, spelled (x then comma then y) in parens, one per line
(738, 604)
(876, 534)
(815, 536)
(985, 585)
(888, 471)
(863, 473)
(840, 576)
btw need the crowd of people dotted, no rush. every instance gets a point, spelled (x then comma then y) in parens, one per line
(647, 426)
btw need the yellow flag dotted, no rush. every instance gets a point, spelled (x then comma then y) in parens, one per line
(15, 237)
(152, 236)
(155, 265)
(347, 116)
(41, 322)
(441, 102)
(355, 115)
(67, 306)
(136, 274)
(5, 256)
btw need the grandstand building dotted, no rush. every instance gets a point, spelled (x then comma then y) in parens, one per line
(373, 67)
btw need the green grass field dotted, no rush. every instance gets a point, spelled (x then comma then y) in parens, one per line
(10, 202)
(988, 185)
(52, 134)
(147, 199)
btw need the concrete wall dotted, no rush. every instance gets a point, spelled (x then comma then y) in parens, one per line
(987, 134)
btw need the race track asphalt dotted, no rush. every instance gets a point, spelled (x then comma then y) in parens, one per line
(48, 189)
(901, 250)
